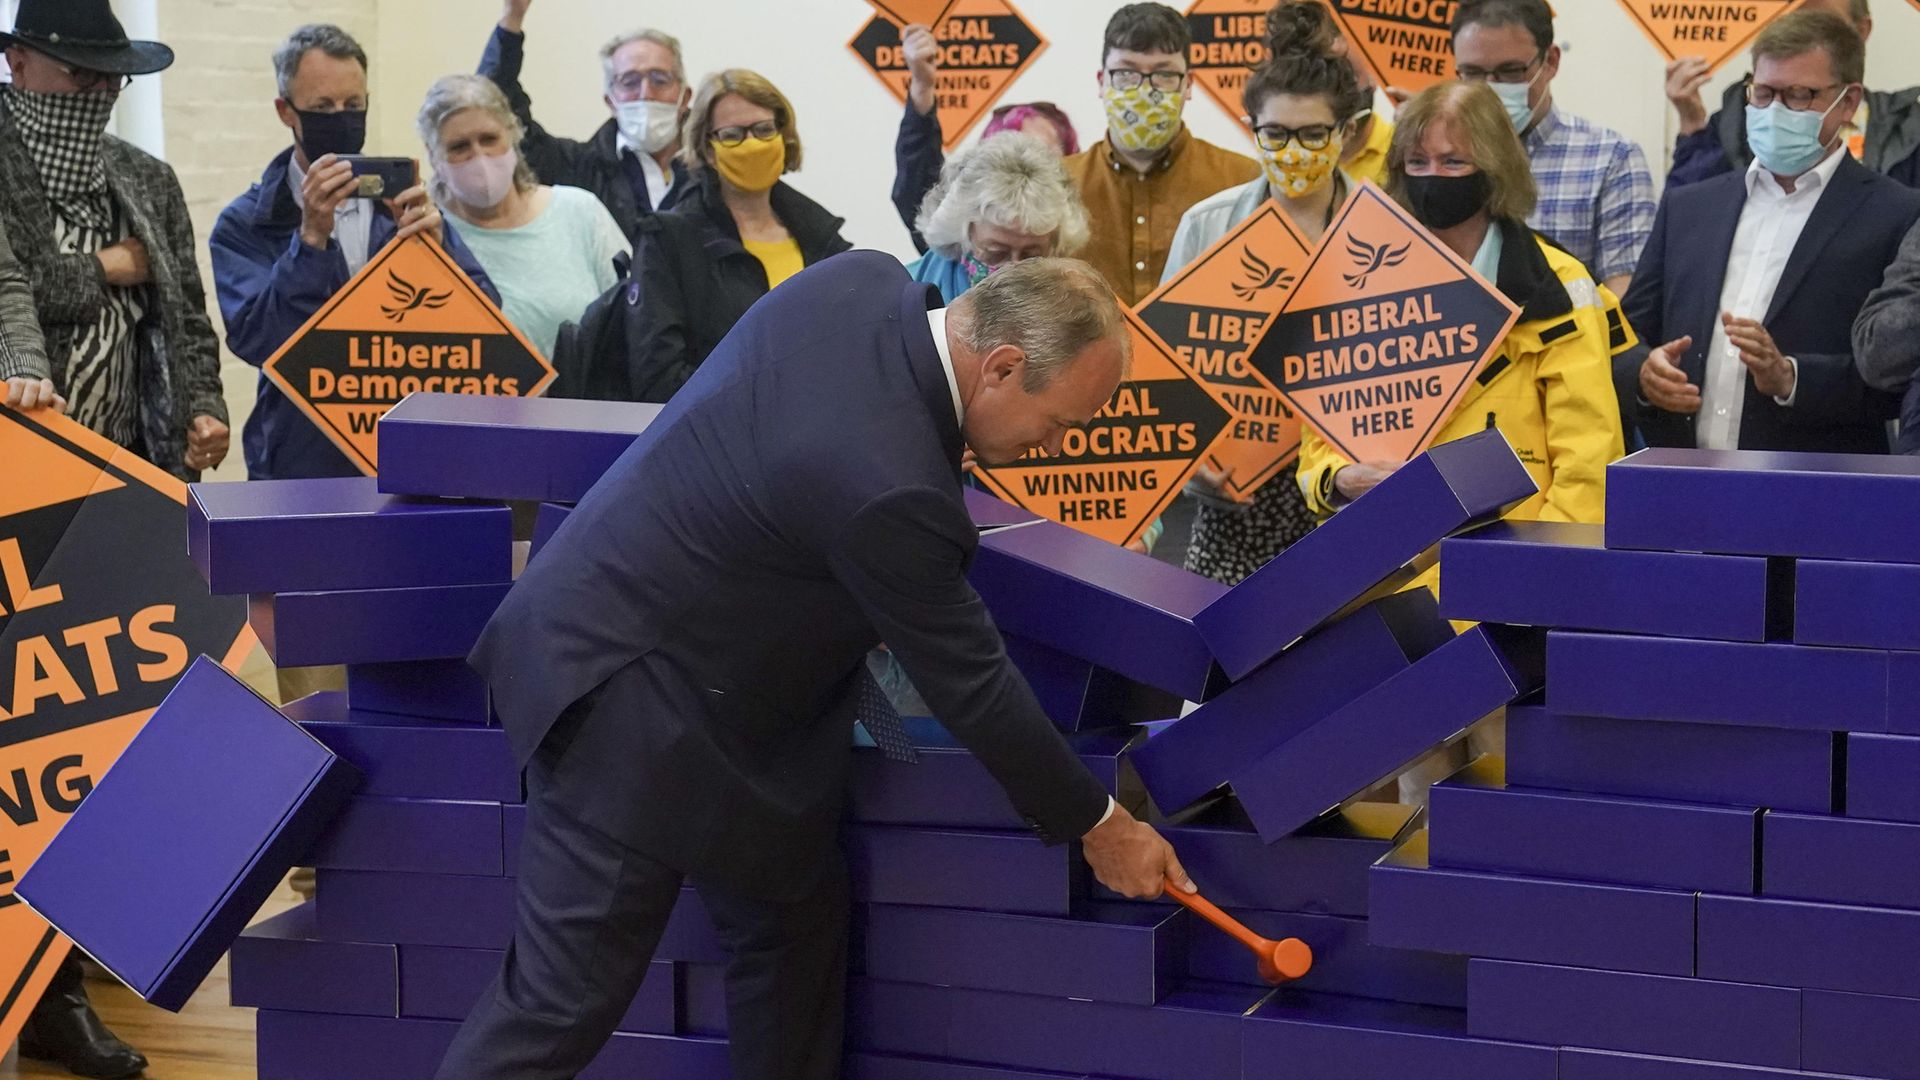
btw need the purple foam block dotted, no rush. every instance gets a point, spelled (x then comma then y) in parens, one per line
(1562, 575)
(1864, 605)
(424, 689)
(370, 626)
(274, 536)
(1704, 763)
(703, 1000)
(1116, 608)
(896, 1067)
(547, 521)
(1080, 696)
(1903, 693)
(1880, 777)
(1862, 950)
(505, 448)
(1841, 860)
(1854, 1033)
(1577, 1064)
(426, 836)
(403, 758)
(444, 984)
(1517, 918)
(992, 512)
(949, 787)
(1344, 961)
(988, 871)
(281, 963)
(1648, 1014)
(160, 869)
(1388, 727)
(1123, 953)
(1716, 682)
(316, 1046)
(1745, 502)
(1479, 823)
(1451, 487)
(1343, 1038)
(1196, 755)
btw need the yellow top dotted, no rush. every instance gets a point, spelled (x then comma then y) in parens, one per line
(780, 257)
(1371, 162)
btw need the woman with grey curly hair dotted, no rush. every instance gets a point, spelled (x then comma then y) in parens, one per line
(1005, 199)
(551, 250)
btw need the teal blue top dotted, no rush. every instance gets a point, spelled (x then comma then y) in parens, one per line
(948, 275)
(551, 268)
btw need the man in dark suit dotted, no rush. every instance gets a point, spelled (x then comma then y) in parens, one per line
(681, 668)
(1752, 280)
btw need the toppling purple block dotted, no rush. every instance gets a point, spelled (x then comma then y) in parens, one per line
(1647, 1014)
(160, 869)
(1857, 1034)
(438, 983)
(1862, 605)
(1451, 487)
(407, 759)
(949, 787)
(1880, 777)
(1122, 953)
(1390, 726)
(1841, 860)
(1716, 682)
(1337, 665)
(370, 626)
(1078, 695)
(1121, 610)
(547, 521)
(1863, 950)
(281, 963)
(1344, 961)
(275, 536)
(510, 449)
(423, 689)
(315, 1046)
(1746, 502)
(986, 871)
(1477, 822)
(894, 1067)
(424, 836)
(1704, 763)
(1343, 1038)
(989, 511)
(1562, 575)
(1516, 918)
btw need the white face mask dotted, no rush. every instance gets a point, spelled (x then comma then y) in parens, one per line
(649, 125)
(482, 180)
(1517, 99)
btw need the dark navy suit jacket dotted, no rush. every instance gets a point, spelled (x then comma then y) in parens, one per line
(797, 503)
(1853, 235)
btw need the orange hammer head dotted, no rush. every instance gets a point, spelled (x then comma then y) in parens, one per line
(1285, 961)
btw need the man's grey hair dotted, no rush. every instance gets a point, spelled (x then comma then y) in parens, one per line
(658, 37)
(1011, 180)
(325, 37)
(1052, 309)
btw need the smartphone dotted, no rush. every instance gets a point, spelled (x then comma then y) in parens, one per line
(382, 177)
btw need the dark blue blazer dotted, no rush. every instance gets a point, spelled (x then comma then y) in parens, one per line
(797, 503)
(1852, 237)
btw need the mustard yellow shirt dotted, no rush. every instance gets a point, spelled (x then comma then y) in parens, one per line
(781, 258)
(1371, 162)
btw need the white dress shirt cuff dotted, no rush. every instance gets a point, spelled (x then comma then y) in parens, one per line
(1108, 816)
(1787, 402)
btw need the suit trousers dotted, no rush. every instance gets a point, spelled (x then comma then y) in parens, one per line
(591, 912)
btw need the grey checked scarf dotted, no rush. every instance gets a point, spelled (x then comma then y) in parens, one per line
(63, 134)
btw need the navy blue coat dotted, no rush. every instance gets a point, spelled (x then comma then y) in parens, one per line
(1853, 235)
(269, 284)
(797, 503)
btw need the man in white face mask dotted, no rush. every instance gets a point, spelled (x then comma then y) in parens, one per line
(1596, 193)
(631, 163)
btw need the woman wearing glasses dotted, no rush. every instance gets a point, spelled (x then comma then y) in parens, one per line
(738, 233)
(1001, 201)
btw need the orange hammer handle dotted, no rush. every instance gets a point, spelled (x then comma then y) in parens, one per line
(1229, 925)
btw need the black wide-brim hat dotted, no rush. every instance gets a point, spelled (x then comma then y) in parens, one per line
(84, 33)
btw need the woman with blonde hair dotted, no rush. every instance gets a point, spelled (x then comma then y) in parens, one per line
(1003, 200)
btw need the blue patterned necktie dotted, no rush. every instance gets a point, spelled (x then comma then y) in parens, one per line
(875, 713)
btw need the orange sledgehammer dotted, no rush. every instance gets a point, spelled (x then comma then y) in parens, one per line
(1280, 961)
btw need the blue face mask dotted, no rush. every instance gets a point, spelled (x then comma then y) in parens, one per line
(1515, 96)
(1785, 142)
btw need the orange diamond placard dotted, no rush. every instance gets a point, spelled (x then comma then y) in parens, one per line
(1113, 477)
(411, 320)
(1381, 337)
(909, 12)
(1407, 44)
(1715, 32)
(99, 615)
(984, 46)
(1228, 43)
(1213, 314)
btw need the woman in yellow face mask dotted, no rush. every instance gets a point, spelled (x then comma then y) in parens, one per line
(738, 233)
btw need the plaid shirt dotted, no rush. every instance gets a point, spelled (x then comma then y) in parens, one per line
(1596, 194)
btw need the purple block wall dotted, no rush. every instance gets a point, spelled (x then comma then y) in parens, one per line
(314, 1046)
(1576, 1064)
(1336, 1038)
(371, 626)
(1863, 950)
(989, 871)
(281, 963)
(949, 786)
(992, 512)
(1841, 860)
(889, 1067)
(426, 836)
(1081, 696)
(439, 983)
(504, 448)
(422, 689)
(1123, 953)
(1344, 961)
(399, 757)
(1853, 1033)
(1858, 604)
(1880, 777)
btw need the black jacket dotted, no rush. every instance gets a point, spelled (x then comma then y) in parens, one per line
(1892, 139)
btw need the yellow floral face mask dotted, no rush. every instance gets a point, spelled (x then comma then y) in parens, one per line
(1143, 119)
(1295, 171)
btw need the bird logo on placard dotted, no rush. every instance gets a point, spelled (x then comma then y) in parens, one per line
(409, 298)
(1373, 258)
(1260, 276)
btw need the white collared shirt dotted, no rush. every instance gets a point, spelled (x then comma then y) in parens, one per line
(937, 322)
(1770, 225)
(352, 222)
(659, 180)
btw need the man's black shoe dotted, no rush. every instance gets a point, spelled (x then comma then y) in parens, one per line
(65, 1030)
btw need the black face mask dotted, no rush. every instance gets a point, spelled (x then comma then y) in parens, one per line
(1441, 202)
(342, 132)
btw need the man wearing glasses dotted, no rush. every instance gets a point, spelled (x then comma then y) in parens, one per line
(1596, 194)
(1147, 172)
(631, 163)
(1751, 280)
